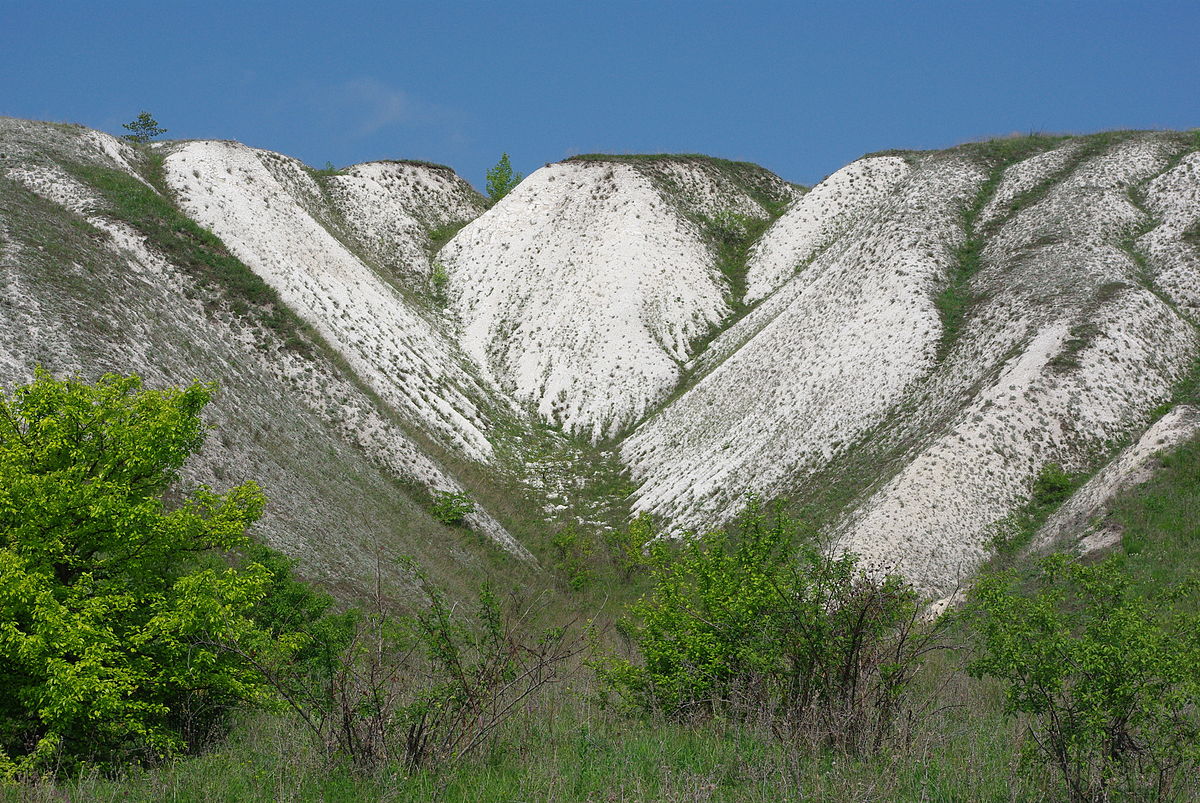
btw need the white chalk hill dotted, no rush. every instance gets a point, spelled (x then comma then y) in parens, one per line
(902, 349)
(582, 292)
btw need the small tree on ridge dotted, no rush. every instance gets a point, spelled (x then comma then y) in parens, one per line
(501, 179)
(143, 129)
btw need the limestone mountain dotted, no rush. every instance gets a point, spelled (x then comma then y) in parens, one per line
(900, 350)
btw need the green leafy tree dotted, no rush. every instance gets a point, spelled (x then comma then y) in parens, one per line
(1108, 683)
(143, 128)
(114, 604)
(765, 624)
(451, 507)
(501, 179)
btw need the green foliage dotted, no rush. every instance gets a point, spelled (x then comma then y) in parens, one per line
(1050, 488)
(772, 627)
(1109, 685)
(441, 235)
(451, 507)
(956, 297)
(733, 234)
(572, 556)
(425, 689)
(1191, 235)
(1003, 151)
(501, 179)
(111, 619)
(628, 547)
(439, 279)
(143, 128)
(1160, 531)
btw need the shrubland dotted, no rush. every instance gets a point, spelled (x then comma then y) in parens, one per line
(150, 649)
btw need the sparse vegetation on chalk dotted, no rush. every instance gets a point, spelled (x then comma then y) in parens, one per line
(947, 359)
(196, 249)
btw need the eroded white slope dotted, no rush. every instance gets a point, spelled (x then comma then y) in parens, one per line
(1025, 176)
(818, 217)
(831, 353)
(582, 289)
(1084, 354)
(262, 206)
(276, 410)
(1079, 523)
(1172, 248)
(390, 207)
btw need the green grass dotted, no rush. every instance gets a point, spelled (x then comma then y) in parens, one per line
(441, 235)
(1160, 522)
(957, 297)
(566, 749)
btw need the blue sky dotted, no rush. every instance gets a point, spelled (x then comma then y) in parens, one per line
(801, 88)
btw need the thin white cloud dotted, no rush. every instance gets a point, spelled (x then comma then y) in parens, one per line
(379, 106)
(364, 106)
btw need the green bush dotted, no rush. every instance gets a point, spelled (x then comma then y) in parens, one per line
(501, 179)
(439, 279)
(572, 556)
(771, 626)
(1107, 684)
(451, 508)
(114, 605)
(1052, 486)
(628, 547)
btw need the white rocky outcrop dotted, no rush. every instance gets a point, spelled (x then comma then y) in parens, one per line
(261, 205)
(819, 363)
(582, 290)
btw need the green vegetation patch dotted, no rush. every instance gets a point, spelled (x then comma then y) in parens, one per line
(957, 296)
(1052, 486)
(440, 235)
(1160, 526)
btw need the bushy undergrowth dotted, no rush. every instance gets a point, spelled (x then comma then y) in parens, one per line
(758, 664)
(1109, 681)
(763, 624)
